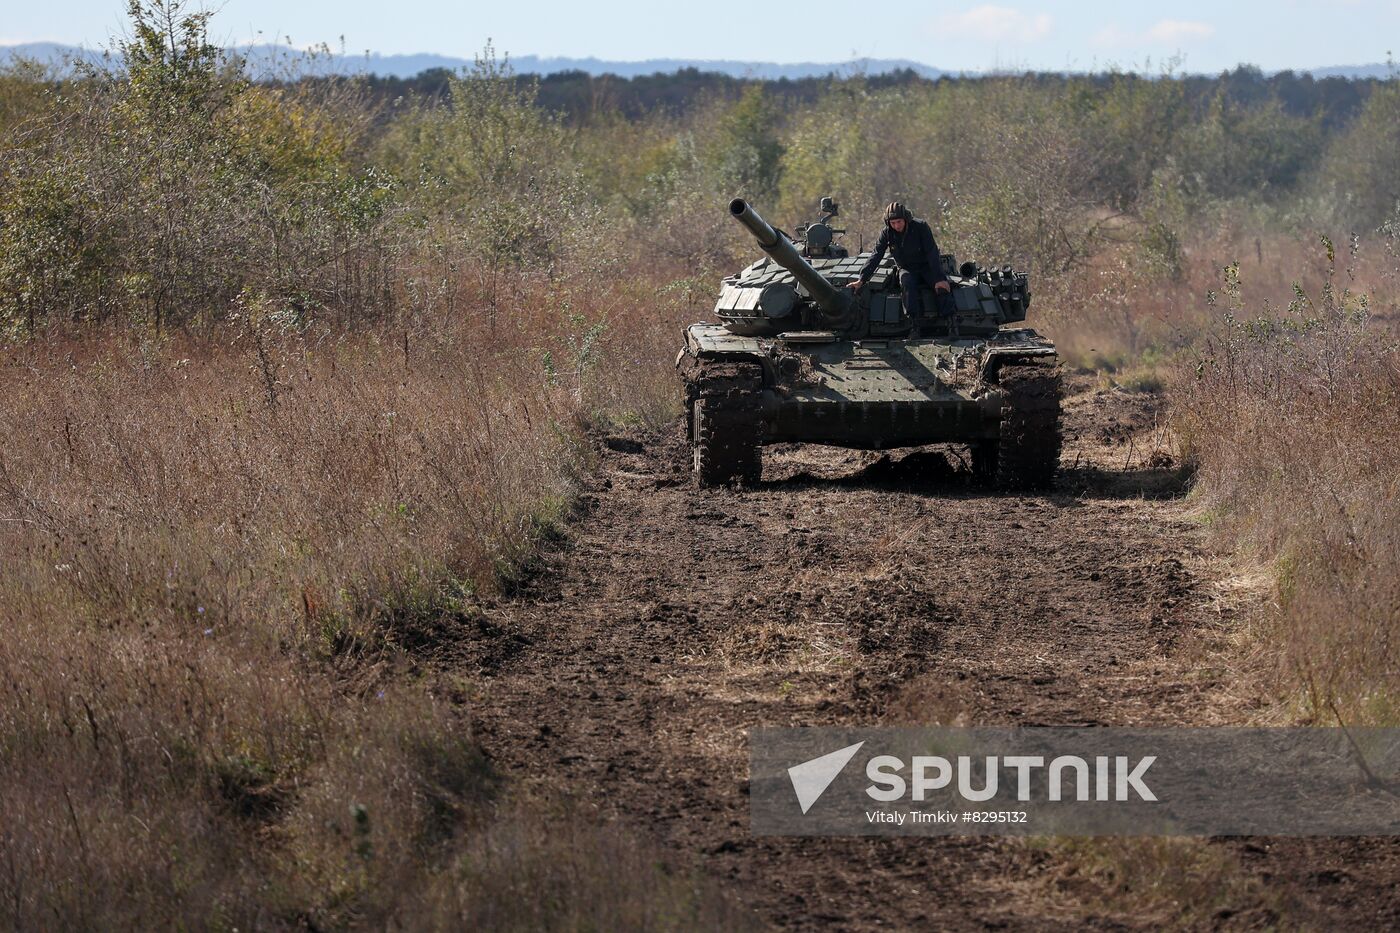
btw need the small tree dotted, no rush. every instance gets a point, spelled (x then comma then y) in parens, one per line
(1361, 171)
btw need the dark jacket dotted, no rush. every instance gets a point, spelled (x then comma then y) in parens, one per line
(914, 250)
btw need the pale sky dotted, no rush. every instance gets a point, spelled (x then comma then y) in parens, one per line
(1208, 35)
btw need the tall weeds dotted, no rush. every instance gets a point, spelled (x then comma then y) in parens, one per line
(1293, 418)
(219, 553)
(290, 421)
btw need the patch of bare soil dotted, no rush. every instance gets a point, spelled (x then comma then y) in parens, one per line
(858, 588)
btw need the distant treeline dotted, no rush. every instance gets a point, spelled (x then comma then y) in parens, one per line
(580, 96)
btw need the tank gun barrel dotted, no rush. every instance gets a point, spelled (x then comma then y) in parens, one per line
(833, 301)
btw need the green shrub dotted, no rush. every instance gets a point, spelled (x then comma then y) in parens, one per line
(168, 185)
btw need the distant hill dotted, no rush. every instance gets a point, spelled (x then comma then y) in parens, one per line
(1378, 70)
(49, 53)
(266, 58)
(768, 71)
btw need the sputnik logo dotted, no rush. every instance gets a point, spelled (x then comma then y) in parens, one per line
(811, 778)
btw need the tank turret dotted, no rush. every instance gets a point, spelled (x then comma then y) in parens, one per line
(797, 288)
(835, 304)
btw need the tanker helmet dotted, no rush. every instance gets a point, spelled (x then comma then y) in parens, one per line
(897, 211)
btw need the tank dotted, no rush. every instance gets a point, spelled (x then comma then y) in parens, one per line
(795, 356)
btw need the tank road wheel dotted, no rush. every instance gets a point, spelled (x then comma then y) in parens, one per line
(726, 430)
(1028, 452)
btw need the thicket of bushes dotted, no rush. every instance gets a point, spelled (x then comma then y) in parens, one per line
(173, 190)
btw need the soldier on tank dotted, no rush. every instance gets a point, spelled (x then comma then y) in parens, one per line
(911, 244)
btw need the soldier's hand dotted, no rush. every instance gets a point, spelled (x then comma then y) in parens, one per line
(943, 287)
(854, 285)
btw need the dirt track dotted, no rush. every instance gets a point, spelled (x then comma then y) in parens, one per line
(866, 589)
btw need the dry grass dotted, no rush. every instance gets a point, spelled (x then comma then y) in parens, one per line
(221, 558)
(1123, 314)
(1285, 390)
(1170, 884)
(1293, 418)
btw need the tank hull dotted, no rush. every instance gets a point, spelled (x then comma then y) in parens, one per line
(871, 394)
(879, 425)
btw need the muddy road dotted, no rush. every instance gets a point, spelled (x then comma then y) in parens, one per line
(856, 588)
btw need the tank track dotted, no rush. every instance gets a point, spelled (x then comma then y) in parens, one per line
(723, 414)
(1028, 452)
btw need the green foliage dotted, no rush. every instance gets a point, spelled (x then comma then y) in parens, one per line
(172, 70)
(1361, 173)
(45, 259)
(25, 96)
(496, 184)
(1247, 152)
(746, 149)
(1131, 123)
(181, 188)
(1025, 181)
(837, 146)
